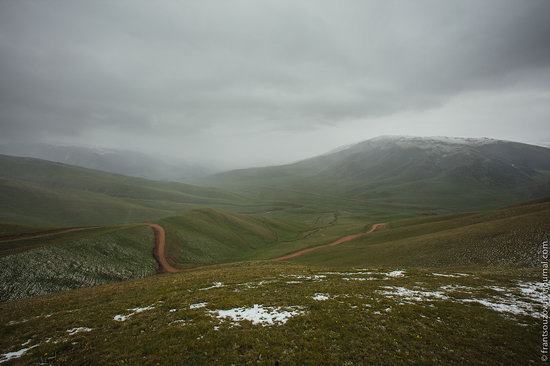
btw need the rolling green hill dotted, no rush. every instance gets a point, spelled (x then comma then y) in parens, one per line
(207, 236)
(38, 192)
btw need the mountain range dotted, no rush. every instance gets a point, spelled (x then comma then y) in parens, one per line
(125, 162)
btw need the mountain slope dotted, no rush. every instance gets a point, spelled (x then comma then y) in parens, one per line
(123, 162)
(44, 193)
(461, 173)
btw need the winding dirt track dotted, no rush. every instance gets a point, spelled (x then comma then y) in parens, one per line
(160, 249)
(342, 240)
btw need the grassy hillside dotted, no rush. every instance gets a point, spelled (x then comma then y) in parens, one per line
(38, 192)
(206, 236)
(71, 260)
(506, 237)
(288, 315)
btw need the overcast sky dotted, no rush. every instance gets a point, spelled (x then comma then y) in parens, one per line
(256, 82)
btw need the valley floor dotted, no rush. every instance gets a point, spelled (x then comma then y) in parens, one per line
(278, 313)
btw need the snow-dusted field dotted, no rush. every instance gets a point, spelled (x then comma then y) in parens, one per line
(317, 303)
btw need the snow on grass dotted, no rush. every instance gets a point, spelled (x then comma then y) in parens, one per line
(502, 305)
(259, 315)
(396, 274)
(293, 282)
(319, 277)
(453, 275)
(179, 321)
(460, 288)
(5, 357)
(359, 278)
(198, 305)
(134, 311)
(534, 291)
(250, 285)
(214, 285)
(412, 295)
(349, 273)
(78, 330)
(527, 299)
(320, 297)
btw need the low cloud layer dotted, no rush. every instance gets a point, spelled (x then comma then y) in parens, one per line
(244, 83)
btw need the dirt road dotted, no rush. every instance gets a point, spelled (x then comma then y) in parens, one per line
(160, 249)
(342, 240)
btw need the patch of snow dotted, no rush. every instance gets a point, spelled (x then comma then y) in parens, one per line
(535, 291)
(5, 357)
(214, 285)
(498, 289)
(259, 315)
(78, 330)
(198, 305)
(256, 284)
(503, 306)
(456, 288)
(413, 295)
(134, 311)
(172, 310)
(454, 275)
(307, 277)
(359, 279)
(320, 297)
(27, 342)
(395, 274)
(293, 282)
(14, 322)
(348, 273)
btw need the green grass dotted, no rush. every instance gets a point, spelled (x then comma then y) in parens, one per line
(207, 236)
(505, 237)
(358, 324)
(40, 193)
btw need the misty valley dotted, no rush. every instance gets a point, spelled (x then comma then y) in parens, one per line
(274, 183)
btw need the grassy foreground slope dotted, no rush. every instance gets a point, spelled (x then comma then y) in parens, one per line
(78, 259)
(507, 237)
(267, 314)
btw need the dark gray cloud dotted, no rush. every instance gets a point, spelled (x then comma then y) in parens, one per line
(215, 80)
